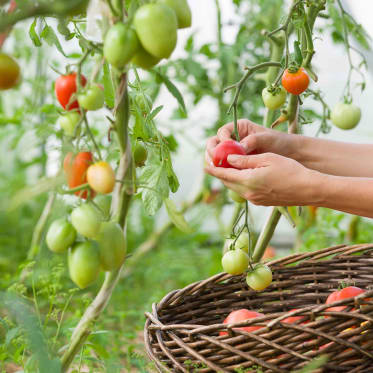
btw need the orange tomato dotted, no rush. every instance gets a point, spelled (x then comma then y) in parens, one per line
(101, 177)
(242, 315)
(75, 168)
(269, 253)
(297, 82)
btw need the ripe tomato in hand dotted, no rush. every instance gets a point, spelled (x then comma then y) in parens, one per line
(76, 171)
(297, 82)
(346, 116)
(242, 315)
(260, 278)
(60, 236)
(9, 72)
(101, 177)
(66, 87)
(235, 262)
(224, 149)
(86, 220)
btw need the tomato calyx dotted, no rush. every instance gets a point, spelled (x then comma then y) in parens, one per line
(293, 67)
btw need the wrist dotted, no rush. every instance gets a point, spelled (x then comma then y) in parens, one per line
(294, 145)
(318, 188)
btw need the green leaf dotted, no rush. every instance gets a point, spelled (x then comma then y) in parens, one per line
(314, 364)
(108, 87)
(33, 35)
(172, 89)
(51, 38)
(156, 189)
(176, 216)
(154, 113)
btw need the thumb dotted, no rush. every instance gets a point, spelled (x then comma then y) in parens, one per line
(248, 161)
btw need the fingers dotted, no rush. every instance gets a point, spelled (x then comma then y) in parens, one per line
(245, 127)
(210, 146)
(225, 174)
(249, 161)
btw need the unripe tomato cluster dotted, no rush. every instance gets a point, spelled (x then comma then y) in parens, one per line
(92, 243)
(245, 314)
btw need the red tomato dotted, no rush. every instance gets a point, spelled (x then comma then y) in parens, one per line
(295, 83)
(242, 315)
(349, 292)
(292, 319)
(65, 87)
(76, 171)
(224, 149)
(333, 297)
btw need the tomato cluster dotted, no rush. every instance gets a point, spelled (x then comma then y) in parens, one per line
(92, 243)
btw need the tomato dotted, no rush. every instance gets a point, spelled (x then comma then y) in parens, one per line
(68, 122)
(60, 236)
(10, 72)
(243, 242)
(84, 263)
(144, 59)
(224, 149)
(144, 102)
(140, 155)
(228, 245)
(104, 204)
(112, 245)
(293, 319)
(260, 278)
(333, 297)
(349, 292)
(76, 171)
(101, 177)
(269, 253)
(182, 10)
(274, 99)
(242, 315)
(297, 82)
(156, 27)
(236, 197)
(93, 98)
(235, 262)
(121, 44)
(66, 88)
(86, 220)
(346, 116)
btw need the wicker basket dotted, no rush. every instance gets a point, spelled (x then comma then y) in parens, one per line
(182, 332)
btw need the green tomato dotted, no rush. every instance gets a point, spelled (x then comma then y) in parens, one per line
(104, 203)
(92, 98)
(346, 116)
(60, 236)
(84, 263)
(274, 100)
(260, 278)
(144, 102)
(243, 242)
(86, 220)
(144, 59)
(235, 196)
(182, 10)
(120, 45)
(140, 155)
(228, 245)
(156, 27)
(68, 122)
(235, 262)
(112, 245)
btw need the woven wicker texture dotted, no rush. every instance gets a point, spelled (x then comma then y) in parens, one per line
(182, 331)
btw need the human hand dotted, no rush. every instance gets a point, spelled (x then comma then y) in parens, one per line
(269, 180)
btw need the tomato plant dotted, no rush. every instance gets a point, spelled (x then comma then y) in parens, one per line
(242, 315)
(243, 242)
(140, 155)
(66, 88)
(235, 262)
(86, 220)
(156, 27)
(259, 278)
(121, 44)
(68, 123)
(92, 98)
(112, 245)
(144, 102)
(345, 116)
(101, 177)
(60, 236)
(274, 98)
(235, 196)
(75, 168)
(10, 72)
(84, 263)
(182, 10)
(224, 149)
(295, 82)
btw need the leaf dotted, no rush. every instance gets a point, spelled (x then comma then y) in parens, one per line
(51, 38)
(108, 87)
(176, 216)
(154, 113)
(314, 364)
(12, 333)
(172, 89)
(33, 35)
(156, 189)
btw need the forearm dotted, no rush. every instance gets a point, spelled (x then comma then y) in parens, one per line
(348, 194)
(333, 157)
